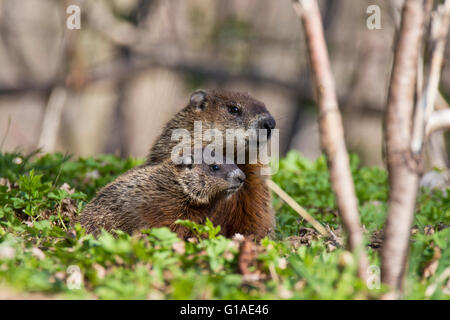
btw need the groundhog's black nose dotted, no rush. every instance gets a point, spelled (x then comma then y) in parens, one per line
(268, 124)
(237, 178)
(240, 177)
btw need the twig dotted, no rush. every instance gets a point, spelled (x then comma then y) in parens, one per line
(331, 129)
(8, 126)
(435, 150)
(52, 119)
(118, 31)
(395, 11)
(440, 279)
(439, 30)
(118, 69)
(439, 120)
(297, 208)
(333, 237)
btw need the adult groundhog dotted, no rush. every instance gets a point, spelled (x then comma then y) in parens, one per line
(249, 210)
(157, 196)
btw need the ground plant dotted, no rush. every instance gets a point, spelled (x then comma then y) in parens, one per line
(41, 244)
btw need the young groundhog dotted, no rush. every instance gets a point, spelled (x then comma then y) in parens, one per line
(249, 210)
(159, 195)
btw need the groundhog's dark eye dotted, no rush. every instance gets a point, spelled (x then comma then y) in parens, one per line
(234, 109)
(215, 167)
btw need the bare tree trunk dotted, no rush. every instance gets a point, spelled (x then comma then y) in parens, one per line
(402, 165)
(331, 129)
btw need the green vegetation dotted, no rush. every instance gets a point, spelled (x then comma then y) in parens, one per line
(41, 196)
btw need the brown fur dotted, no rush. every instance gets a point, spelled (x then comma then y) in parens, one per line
(157, 196)
(249, 211)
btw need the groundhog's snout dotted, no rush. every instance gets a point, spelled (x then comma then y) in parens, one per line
(267, 123)
(236, 179)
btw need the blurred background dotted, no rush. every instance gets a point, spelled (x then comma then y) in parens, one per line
(111, 86)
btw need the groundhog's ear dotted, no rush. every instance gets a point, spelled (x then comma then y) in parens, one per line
(198, 98)
(188, 161)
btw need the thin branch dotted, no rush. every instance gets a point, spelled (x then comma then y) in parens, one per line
(297, 208)
(439, 120)
(8, 126)
(52, 119)
(118, 69)
(435, 150)
(425, 105)
(395, 10)
(439, 31)
(331, 129)
(118, 31)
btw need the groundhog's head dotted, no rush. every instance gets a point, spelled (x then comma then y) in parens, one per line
(231, 110)
(217, 111)
(204, 183)
(224, 110)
